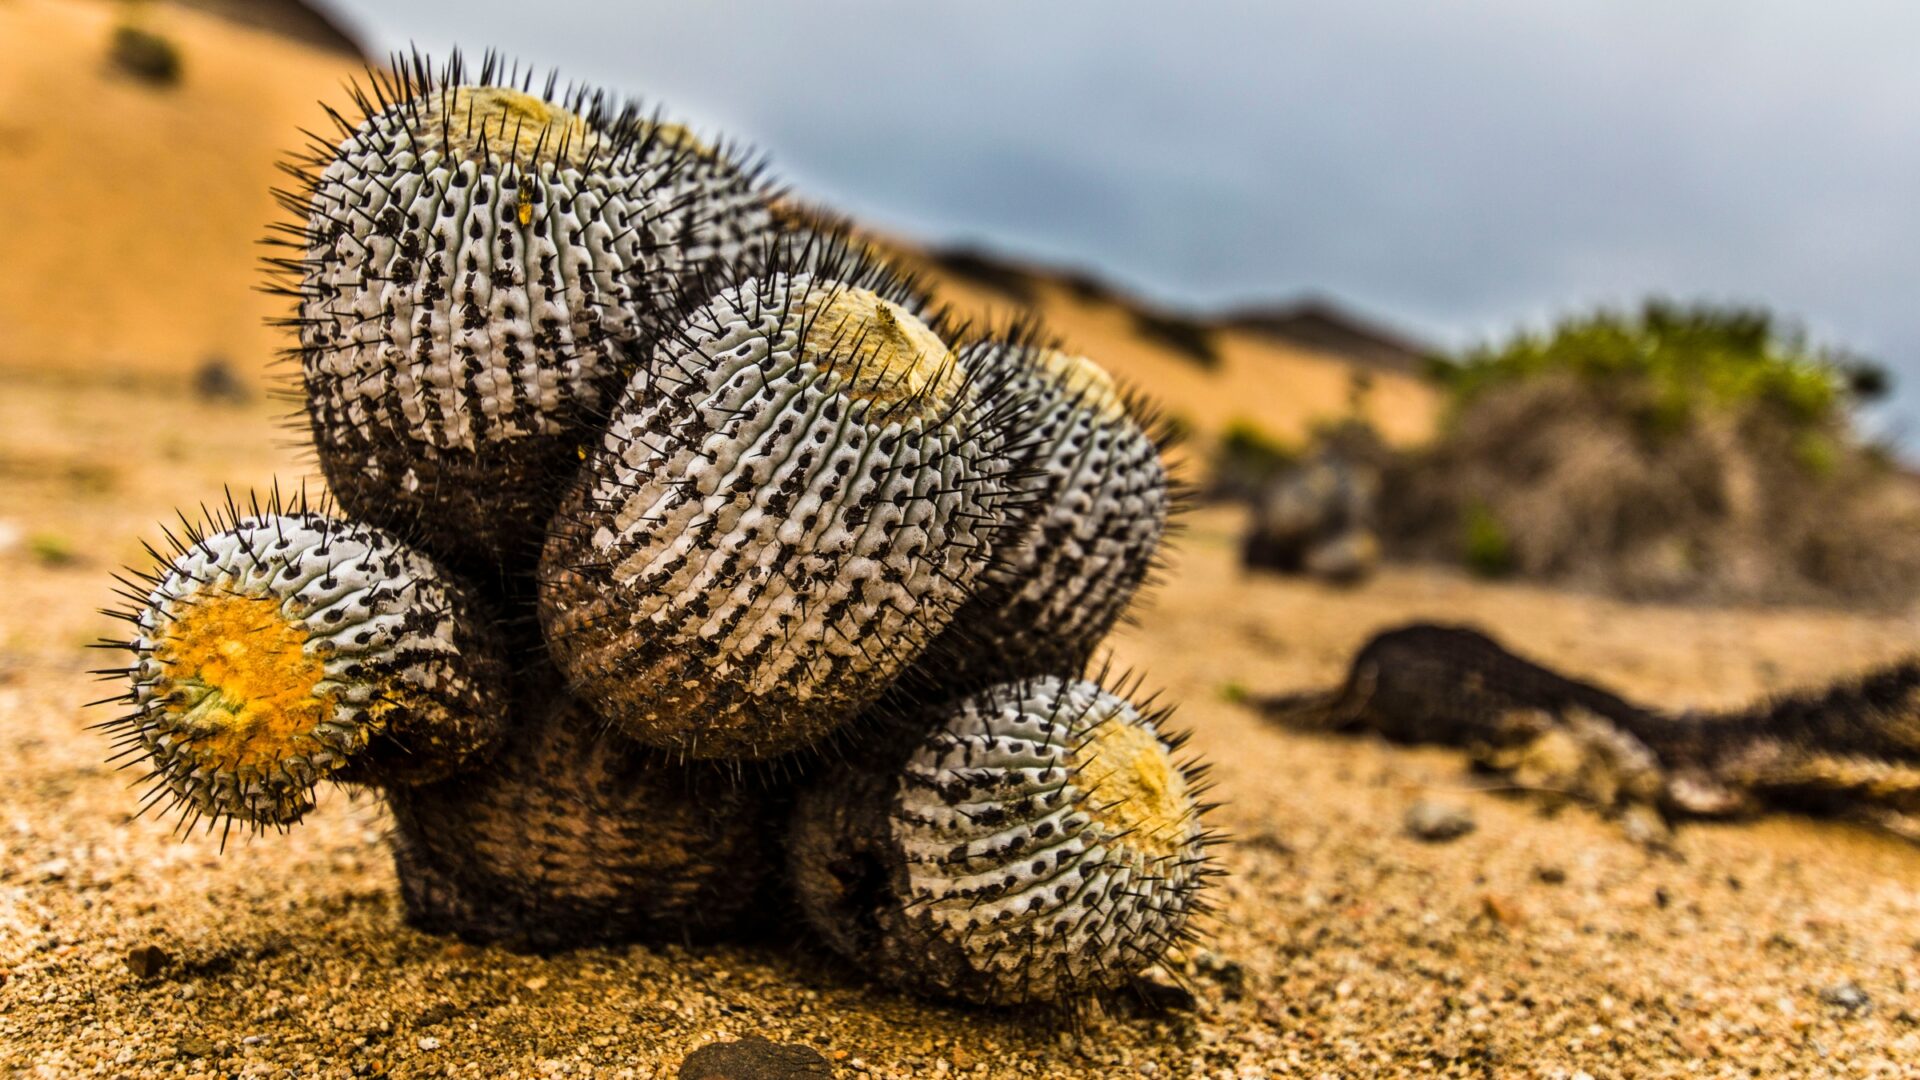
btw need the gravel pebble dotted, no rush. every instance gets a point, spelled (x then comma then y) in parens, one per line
(1847, 997)
(1436, 823)
(754, 1058)
(147, 961)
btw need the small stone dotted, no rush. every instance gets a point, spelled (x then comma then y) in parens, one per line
(428, 1042)
(1550, 875)
(195, 1046)
(1150, 997)
(754, 1058)
(536, 984)
(1847, 997)
(215, 380)
(1500, 909)
(434, 1014)
(1231, 975)
(147, 961)
(1437, 823)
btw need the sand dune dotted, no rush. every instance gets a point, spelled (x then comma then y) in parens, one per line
(134, 215)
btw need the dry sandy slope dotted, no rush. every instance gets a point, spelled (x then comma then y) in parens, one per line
(1362, 951)
(1280, 389)
(133, 217)
(133, 214)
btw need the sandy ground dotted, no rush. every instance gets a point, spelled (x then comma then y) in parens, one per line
(1540, 944)
(135, 213)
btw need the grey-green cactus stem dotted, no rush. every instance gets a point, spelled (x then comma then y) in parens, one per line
(280, 647)
(790, 503)
(478, 270)
(1042, 843)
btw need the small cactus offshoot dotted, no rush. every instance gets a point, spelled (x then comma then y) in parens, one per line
(477, 269)
(280, 647)
(1041, 843)
(724, 486)
(789, 504)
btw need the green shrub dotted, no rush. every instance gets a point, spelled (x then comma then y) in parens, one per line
(1246, 440)
(52, 549)
(1682, 359)
(144, 55)
(1245, 460)
(1486, 549)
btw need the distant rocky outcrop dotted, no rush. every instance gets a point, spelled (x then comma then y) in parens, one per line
(306, 21)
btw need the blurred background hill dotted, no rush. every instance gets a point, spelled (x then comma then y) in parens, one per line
(140, 140)
(148, 198)
(137, 203)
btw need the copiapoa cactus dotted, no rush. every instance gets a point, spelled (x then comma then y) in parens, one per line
(738, 501)
(788, 505)
(1041, 843)
(1085, 526)
(278, 646)
(477, 270)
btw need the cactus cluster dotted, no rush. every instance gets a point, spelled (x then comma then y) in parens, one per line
(674, 530)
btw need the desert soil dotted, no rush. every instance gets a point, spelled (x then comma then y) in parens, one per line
(1541, 943)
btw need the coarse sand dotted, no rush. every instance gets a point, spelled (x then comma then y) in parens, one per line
(1538, 944)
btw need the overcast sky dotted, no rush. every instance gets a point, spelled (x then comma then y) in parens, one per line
(1458, 168)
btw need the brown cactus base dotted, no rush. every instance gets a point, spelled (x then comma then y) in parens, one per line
(572, 836)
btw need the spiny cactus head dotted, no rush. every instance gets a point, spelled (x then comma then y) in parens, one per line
(1042, 843)
(282, 647)
(789, 503)
(1091, 510)
(477, 269)
(1050, 834)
